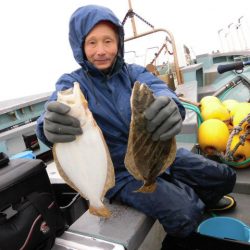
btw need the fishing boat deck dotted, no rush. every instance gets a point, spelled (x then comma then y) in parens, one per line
(243, 181)
(192, 90)
(131, 228)
(241, 210)
(127, 228)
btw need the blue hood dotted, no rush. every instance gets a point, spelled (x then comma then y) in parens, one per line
(82, 22)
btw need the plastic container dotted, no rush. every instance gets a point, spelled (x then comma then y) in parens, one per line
(225, 228)
(25, 154)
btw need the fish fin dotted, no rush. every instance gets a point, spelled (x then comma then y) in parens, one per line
(100, 211)
(110, 180)
(147, 188)
(171, 156)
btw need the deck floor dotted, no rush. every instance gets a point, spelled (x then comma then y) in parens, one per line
(241, 210)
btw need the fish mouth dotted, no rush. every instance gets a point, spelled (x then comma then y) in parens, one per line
(70, 96)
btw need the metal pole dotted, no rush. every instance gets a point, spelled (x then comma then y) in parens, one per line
(176, 63)
(132, 19)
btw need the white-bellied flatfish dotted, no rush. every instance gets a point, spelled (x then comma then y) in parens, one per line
(85, 163)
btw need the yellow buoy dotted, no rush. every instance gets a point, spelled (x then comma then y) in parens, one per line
(213, 135)
(209, 99)
(242, 111)
(230, 104)
(233, 109)
(215, 110)
(243, 151)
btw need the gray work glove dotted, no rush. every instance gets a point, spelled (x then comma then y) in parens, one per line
(58, 126)
(164, 118)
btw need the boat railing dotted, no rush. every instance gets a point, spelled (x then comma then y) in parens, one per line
(131, 14)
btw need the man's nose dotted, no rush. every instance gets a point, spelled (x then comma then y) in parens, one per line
(100, 49)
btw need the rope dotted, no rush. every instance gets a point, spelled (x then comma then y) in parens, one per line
(236, 130)
(128, 14)
(236, 164)
(169, 52)
(162, 47)
(131, 14)
(229, 154)
(227, 158)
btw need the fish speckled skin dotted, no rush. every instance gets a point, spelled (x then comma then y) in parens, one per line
(85, 163)
(146, 159)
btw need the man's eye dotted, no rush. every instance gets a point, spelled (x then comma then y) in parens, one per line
(91, 43)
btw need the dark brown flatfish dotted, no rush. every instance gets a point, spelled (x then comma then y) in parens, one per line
(146, 159)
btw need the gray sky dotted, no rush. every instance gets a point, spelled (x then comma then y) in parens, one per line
(34, 47)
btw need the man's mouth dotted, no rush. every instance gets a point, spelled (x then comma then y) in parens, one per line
(103, 60)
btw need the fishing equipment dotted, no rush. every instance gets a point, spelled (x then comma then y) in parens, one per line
(228, 156)
(29, 215)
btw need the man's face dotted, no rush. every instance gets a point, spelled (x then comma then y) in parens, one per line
(101, 46)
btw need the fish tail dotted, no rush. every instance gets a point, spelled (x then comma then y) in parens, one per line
(100, 211)
(147, 188)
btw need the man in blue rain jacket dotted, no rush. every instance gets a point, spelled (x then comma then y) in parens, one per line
(192, 181)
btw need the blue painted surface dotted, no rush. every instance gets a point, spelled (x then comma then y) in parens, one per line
(225, 228)
(26, 154)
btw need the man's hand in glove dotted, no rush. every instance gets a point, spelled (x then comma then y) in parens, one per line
(164, 119)
(58, 126)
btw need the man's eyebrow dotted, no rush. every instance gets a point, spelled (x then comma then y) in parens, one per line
(105, 37)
